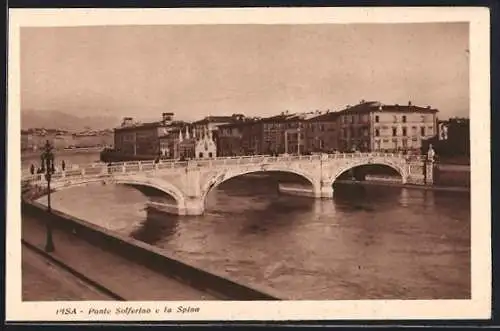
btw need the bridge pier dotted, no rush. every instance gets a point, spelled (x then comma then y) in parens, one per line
(324, 190)
(191, 207)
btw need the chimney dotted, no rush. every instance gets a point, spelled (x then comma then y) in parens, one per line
(167, 118)
(127, 121)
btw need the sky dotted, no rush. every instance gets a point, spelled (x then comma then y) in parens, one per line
(258, 70)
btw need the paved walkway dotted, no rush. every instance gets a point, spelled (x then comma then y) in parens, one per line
(45, 281)
(125, 278)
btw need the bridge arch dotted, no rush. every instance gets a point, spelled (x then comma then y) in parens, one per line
(158, 184)
(220, 178)
(400, 168)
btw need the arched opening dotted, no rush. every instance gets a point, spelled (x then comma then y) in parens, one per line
(91, 200)
(154, 194)
(355, 182)
(370, 172)
(257, 192)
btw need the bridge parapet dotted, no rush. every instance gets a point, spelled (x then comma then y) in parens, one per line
(253, 159)
(167, 165)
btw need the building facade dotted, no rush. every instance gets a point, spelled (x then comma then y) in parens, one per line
(206, 147)
(372, 126)
(322, 135)
(212, 124)
(146, 139)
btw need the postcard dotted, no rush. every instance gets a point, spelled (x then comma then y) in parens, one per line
(245, 164)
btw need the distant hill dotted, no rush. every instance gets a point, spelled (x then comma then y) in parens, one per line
(61, 120)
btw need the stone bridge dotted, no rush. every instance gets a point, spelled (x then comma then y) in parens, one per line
(189, 182)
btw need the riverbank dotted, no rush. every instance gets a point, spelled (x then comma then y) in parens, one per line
(108, 256)
(69, 151)
(411, 186)
(307, 191)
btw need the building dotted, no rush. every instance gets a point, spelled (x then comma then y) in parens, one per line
(185, 143)
(322, 134)
(212, 123)
(452, 138)
(206, 147)
(176, 143)
(373, 126)
(230, 139)
(143, 139)
(287, 133)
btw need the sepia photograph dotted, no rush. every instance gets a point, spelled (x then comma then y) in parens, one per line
(197, 166)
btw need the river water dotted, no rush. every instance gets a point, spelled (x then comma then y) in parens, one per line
(379, 243)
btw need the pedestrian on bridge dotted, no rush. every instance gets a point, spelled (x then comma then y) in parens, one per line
(63, 165)
(32, 169)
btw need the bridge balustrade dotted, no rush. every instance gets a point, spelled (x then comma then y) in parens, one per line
(165, 165)
(92, 171)
(132, 167)
(147, 166)
(73, 173)
(115, 169)
(181, 164)
(57, 175)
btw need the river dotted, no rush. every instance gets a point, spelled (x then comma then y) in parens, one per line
(380, 243)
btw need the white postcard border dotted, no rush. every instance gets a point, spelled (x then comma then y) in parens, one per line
(478, 307)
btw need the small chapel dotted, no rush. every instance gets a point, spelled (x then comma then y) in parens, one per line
(199, 144)
(205, 147)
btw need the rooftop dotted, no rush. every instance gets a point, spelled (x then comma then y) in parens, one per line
(221, 119)
(370, 106)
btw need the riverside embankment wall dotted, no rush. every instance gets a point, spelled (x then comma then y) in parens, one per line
(150, 256)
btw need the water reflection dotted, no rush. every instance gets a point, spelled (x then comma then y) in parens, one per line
(157, 226)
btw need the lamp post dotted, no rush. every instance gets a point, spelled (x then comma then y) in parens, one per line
(47, 159)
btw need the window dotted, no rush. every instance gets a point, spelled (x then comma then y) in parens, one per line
(394, 131)
(404, 132)
(377, 132)
(210, 154)
(320, 143)
(404, 119)
(200, 155)
(422, 131)
(405, 143)
(376, 119)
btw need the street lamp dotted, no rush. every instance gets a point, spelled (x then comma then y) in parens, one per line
(47, 159)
